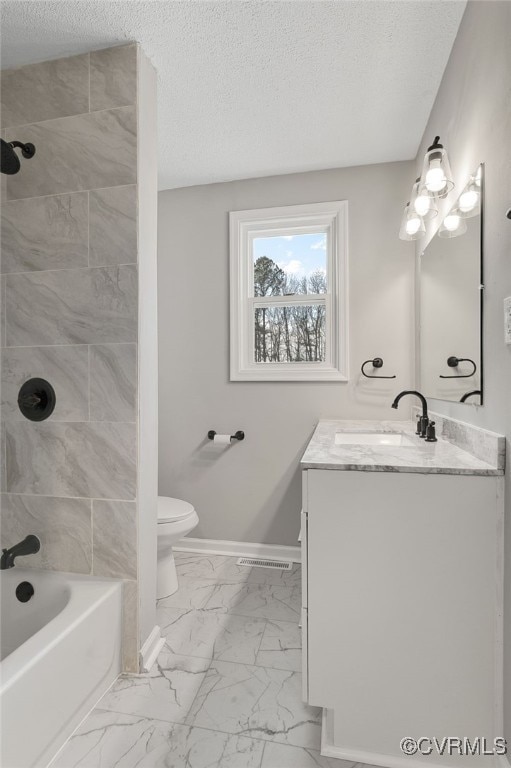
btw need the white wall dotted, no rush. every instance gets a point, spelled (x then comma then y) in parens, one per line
(251, 492)
(472, 114)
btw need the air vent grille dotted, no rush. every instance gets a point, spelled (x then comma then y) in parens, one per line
(257, 562)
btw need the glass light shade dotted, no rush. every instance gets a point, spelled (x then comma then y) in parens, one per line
(412, 225)
(422, 202)
(436, 171)
(453, 225)
(470, 199)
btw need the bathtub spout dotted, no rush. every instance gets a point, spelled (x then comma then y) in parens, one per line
(29, 546)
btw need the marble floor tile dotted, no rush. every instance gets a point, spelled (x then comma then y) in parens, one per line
(273, 576)
(111, 740)
(190, 594)
(219, 568)
(211, 634)
(284, 756)
(166, 693)
(257, 702)
(259, 600)
(281, 646)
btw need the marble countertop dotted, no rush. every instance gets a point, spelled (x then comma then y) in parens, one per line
(442, 457)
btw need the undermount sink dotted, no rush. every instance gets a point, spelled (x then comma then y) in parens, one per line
(398, 439)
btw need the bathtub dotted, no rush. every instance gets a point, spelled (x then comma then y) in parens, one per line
(61, 650)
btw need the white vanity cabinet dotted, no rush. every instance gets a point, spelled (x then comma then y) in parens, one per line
(402, 603)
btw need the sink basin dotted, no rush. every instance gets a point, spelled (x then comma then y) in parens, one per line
(398, 439)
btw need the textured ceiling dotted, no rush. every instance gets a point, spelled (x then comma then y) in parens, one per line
(256, 87)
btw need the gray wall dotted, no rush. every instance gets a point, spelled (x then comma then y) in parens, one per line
(472, 114)
(70, 314)
(252, 492)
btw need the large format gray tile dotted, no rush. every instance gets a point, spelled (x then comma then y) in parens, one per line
(112, 740)
(166, 693)
(211, 634)
(257, 702)
(281, 646)
(62, 525)
(44, 91)
(74, 153)
(114, 542)
(113, 226)
(130, 626)
(96, 460)
(113, 77)
(65, 367)
(72, 306)
(2, 310)
(113, 382)
(258, 600)
(45, 233)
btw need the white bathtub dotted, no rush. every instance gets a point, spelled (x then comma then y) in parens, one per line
(61, 651)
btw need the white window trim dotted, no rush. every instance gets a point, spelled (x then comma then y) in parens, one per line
(331, 217)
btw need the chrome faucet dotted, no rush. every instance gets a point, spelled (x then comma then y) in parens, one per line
(29, 546)
(423, 422)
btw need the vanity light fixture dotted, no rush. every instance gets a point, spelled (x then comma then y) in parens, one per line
(453, 225)
(436, 171)
(422, 202)
(412, 225)
(469, 202)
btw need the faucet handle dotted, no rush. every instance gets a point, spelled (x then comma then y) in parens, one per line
(430, 433)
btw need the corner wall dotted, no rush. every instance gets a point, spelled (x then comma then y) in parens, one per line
(472, 115)
(70, 312)
(252, 491)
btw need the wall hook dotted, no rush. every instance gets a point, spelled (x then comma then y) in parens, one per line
(453, 362)
(377, 362)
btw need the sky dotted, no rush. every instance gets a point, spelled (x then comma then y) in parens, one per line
(297, 255)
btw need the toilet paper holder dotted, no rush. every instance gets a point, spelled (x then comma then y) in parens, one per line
(239, 435)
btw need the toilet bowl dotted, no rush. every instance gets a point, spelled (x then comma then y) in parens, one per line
(176, 518)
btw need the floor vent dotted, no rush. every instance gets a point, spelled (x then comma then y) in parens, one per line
(257, 562)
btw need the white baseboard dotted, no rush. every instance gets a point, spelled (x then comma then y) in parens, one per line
(151, 648)
(328, 749)
(239, 549)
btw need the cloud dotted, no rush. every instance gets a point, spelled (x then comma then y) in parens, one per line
(292, 267)
(287, 237)
(320, 245)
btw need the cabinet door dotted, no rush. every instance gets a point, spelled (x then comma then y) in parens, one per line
(402, 603)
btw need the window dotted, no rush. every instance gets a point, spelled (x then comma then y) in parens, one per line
(289, 293)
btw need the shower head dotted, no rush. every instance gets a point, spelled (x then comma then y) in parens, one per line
(10, 162)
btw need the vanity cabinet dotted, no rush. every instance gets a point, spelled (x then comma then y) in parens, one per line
(402, 609)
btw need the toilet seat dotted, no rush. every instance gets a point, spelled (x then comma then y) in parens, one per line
(171, 510)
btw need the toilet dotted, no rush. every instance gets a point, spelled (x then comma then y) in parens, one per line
(176, 518)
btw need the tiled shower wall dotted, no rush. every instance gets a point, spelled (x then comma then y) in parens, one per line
(69, 315)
